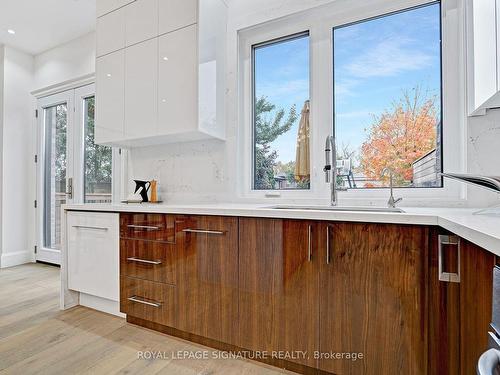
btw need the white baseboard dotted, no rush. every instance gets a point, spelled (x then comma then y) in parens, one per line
(16, 258)
(101, 304)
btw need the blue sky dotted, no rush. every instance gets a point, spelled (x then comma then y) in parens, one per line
(374, 62)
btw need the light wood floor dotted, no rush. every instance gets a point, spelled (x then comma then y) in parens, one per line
(37, 338)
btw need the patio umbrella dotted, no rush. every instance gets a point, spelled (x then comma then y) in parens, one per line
(302, 156)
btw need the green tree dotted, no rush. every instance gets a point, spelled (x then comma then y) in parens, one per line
(269, 125)
(98, 159)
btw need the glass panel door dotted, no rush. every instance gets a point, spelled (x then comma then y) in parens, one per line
(72, 168)
(55, 161)
(98, 160)
(55, 171)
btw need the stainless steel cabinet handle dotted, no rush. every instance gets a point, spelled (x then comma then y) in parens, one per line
(189, 230)
(451, 277)
(309, 243)
(90, 227)
(327, 245)
(132, 259)
(145, 227)
(140, 300)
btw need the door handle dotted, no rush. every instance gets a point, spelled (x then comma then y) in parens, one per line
(451, 277)
(138, 260)
(309, 243)
(327, 244)
(90, 227)
(144, 302)
(69, 192)
(203, 231)
(144, 227)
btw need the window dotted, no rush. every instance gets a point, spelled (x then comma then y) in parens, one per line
(387, 99)
(98, 161)
(385, 78)
(281, 131)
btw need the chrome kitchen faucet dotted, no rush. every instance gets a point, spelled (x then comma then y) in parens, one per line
(391, 203)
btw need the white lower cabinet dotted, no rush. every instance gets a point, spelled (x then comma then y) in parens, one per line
(93, 253)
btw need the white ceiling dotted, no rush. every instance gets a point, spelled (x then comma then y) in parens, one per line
(43, 24)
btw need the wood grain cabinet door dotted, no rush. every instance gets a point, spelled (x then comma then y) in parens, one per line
(279, 281)
(460, 312)
(373, 299)
(208, 276)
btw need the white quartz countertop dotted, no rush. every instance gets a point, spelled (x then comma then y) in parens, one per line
(483, 230)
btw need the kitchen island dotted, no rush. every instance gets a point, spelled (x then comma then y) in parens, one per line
(399, 290)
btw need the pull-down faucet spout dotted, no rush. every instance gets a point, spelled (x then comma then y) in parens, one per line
(330, 168)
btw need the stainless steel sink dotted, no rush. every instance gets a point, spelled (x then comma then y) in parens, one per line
(337, 208)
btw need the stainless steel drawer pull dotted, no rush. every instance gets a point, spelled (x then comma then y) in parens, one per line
(132, 259)
(145, 227)
(90, 227)
(189, 230)
(452, 277)
(309, 243)
(327, 245)
(140, 300)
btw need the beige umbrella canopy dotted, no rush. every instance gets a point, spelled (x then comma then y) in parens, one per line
(302, 156)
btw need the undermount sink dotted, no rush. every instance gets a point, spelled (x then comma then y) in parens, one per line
(337, 208)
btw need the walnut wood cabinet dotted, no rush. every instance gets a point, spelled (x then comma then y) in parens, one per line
(373, 297)
(207, 289)
(460, 309)
(311, 291)
(279, 287)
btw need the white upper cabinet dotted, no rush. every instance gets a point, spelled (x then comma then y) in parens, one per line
(110, 94)
(177, 104)
(174, 14)
(105, 6)
(172, 67)
(110, 30)
(141, 18)
(141, 85)
(483, 56)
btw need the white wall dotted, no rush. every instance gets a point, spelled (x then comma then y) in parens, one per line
(20, 74)
(17, 165)
(66, 62)
(207, 171)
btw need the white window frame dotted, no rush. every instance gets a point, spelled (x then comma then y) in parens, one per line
(320, 22)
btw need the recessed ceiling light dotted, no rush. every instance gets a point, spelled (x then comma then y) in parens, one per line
(108, 75)
(165, 58)
(10, 31)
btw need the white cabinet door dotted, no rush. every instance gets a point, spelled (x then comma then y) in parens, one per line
(110, 96)
(482, 54)
(141, 19)
(94, 253)
(106, 6)
(141, 82)
(110, 32)
(178, 82)
(174, 14)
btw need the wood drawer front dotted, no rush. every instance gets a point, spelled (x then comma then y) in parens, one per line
(149, 260)
(148, 300)
(154, 227)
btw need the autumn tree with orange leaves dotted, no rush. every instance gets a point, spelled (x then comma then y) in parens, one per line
(399, 137)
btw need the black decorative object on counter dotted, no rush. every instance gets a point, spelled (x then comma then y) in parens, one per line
(142, 187)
